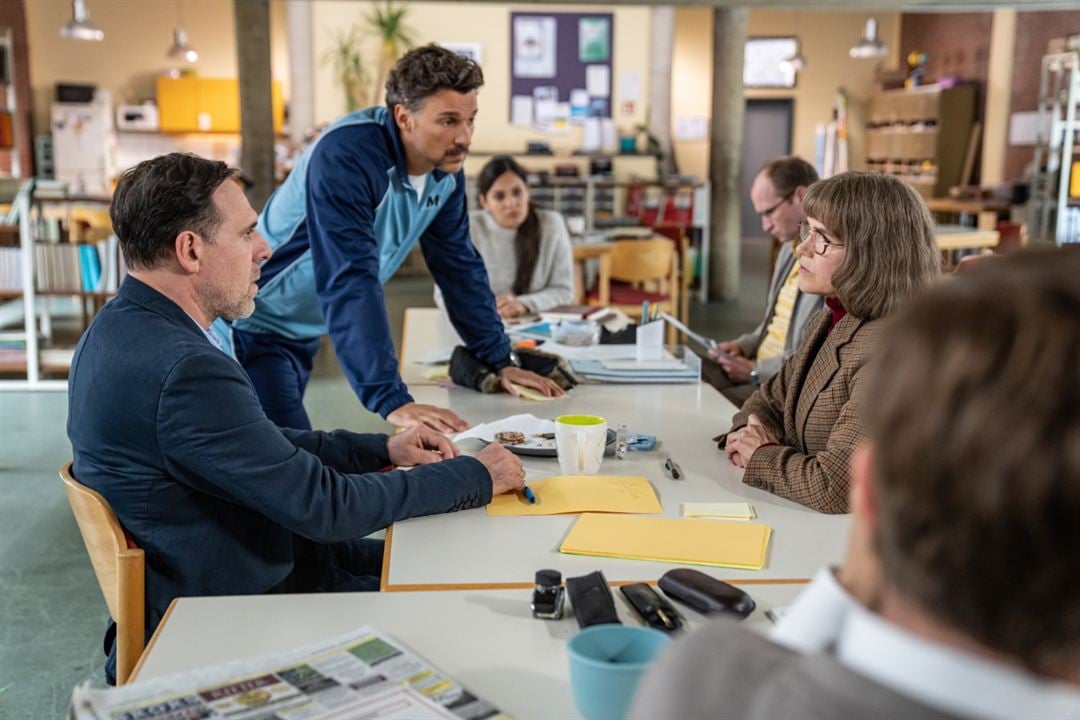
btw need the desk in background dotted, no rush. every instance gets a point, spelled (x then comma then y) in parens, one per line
(486, 640)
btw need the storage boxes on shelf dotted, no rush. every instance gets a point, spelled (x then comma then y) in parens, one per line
(922, 135)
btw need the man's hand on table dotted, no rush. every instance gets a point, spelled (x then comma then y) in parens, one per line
(510, 376)
(414, 414)
(419, 445)
(506, 469)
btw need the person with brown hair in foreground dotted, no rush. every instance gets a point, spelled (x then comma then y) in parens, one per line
(960, 595)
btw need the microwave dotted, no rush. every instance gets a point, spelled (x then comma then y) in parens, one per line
(137, 117)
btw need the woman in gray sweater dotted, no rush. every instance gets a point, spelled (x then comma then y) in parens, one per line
(526, 250)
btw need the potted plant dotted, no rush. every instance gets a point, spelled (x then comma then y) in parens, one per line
(388, 21)
(346, 57)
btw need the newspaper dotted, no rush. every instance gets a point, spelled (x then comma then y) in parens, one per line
(361, 674)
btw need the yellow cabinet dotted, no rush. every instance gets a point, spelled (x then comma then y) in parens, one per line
(196, 104)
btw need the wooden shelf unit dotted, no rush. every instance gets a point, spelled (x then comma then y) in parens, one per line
(42, 358)
(922, 135)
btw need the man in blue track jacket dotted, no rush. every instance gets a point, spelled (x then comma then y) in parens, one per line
(373, 184)
(168, 428)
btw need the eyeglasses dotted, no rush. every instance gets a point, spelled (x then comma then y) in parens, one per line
(821, 241)
(774, 208)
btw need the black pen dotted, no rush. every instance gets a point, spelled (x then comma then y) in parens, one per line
(673, 467)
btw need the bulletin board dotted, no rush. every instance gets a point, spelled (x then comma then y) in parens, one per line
(555, 57)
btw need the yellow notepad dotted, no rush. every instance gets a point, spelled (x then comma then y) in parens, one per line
(528, 393)
(581, 493)
(695, 542)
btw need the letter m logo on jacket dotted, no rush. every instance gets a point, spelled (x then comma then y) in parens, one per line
(433, 201)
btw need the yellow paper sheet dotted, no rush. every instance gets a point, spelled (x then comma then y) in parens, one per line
(581, 493)
(527, 393)
(674, 540)
(719, 511)
(437, 372)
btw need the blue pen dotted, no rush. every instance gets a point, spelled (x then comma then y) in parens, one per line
(644, 311)
(529, 494)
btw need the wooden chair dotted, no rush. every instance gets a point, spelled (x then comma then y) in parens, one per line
(120, 570)
(681, 236)
(644, 270)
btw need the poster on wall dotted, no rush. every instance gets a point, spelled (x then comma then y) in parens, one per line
(534, 47)
(471, 51)
(560, 69)
(593, 34)
(762, 62)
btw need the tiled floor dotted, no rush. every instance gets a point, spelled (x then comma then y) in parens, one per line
(51, 612)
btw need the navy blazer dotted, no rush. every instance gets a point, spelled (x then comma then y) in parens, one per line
(169, 430)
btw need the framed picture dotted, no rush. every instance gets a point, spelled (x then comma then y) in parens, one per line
(762, 66)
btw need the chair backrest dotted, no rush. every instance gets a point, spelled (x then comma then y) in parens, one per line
(643, 260)
(120, 570)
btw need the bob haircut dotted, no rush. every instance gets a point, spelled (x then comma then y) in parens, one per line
(890, 253)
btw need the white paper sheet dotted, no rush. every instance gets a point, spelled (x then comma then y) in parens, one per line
(598, 80)
(529, 425)
(521, 110)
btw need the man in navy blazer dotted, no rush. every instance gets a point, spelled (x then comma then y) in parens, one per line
(168, 429)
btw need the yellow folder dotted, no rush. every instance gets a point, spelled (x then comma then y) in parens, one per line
(674, 540)
(581, 493)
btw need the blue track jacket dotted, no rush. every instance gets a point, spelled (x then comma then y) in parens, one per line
(340, 226)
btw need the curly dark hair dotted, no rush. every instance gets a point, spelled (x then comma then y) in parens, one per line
(424, 71)
(159, 198)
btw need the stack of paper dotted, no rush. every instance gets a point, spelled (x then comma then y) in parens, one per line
(667, 370)
(581, 493)
(671, 540)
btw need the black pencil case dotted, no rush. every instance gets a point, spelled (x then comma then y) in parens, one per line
(590, 598)
(706, 594)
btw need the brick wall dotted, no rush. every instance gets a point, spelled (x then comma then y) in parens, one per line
(956, 45)
(1033, 31)
(13, 16)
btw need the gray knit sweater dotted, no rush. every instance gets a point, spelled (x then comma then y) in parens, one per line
(552, 279)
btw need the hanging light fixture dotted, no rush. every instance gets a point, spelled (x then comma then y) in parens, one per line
(180, 49)
(796, 62)
(869, 45)
(80, 26)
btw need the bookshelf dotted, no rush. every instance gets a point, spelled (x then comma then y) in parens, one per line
(48, 263)
(922, 135)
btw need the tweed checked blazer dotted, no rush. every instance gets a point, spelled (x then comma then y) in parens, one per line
(812, 407)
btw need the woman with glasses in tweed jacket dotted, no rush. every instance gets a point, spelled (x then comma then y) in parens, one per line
(867, 245)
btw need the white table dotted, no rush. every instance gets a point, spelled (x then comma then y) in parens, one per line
(469, 549)
(487, 640)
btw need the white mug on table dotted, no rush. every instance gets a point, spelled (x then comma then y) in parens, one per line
(580, 442)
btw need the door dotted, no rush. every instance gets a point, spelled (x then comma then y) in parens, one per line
(766, 134)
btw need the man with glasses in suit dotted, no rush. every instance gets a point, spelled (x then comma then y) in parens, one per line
(751, 359)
